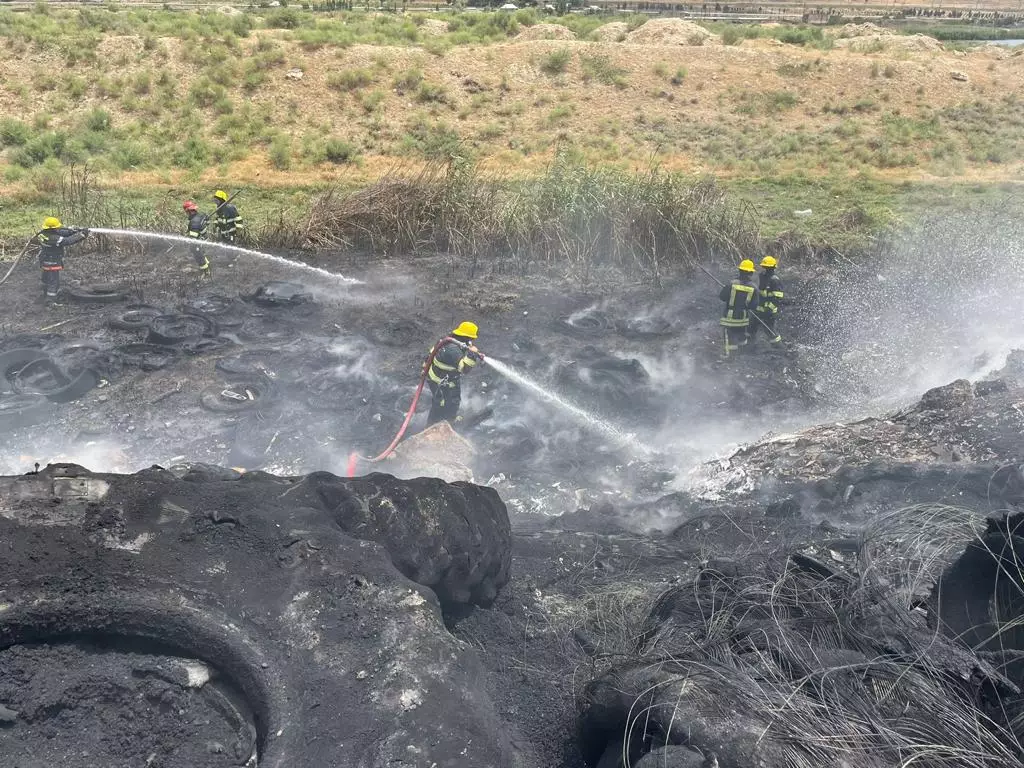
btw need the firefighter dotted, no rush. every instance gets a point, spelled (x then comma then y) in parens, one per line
(770, 298)
(445, 372)
(741, 299)
(52, 240)
(197, 224)
(225, 218)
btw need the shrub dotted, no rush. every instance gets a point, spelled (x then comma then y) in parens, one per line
(97, 120)
(371, 101)
(13, 132)
(731, 35)
(340, 152)
(350, 79)
(281, 153)
(432, 93)
(408, 81)
(556, 62)
(603, 70)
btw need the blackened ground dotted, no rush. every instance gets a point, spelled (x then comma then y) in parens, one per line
(80, 704)
(343, 370)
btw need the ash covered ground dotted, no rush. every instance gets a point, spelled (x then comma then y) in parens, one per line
(825, 448)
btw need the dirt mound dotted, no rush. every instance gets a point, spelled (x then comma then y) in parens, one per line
(671, 32)
(438, 451)
(886, 41)
(859, 30)
(432, 27)
(546, 32)
(613, 32)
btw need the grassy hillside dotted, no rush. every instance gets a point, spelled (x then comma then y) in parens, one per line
(286, 100)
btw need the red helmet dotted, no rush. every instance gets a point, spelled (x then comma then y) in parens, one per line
(190, 207)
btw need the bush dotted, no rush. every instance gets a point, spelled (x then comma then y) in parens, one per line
(350, 79)
(340, 152)
(603, 70)
(731, 35)
(281, 153)
(432, 93)
(556, 62)
(97, 120)
(14, 133)
(408, 81)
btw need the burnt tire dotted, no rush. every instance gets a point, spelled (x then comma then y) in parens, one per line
(212, 305)
(135, 317)
(205, 346)
(281, 293)
(586, 325)
(646, 328)
(22, 410)
(95, 294)
(12, 361)
(29, 341)
(251, 364)
(178, 328)
(148, 357)
(236, 396)
(75, 357)
(50, 380)
(254, 333)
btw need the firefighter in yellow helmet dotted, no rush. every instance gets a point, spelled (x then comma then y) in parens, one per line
(770, 296)
(741, 300)
(226, 221)
(444, 373)
(52, 239)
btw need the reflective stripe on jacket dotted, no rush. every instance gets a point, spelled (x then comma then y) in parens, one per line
(771, 291)
(52, 243)
(448, 365)
(740, 299)
(197, 224)
(227, 220)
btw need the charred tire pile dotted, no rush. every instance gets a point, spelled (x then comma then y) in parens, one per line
(611, 379)
(247, 575)
(135, 317)
(279, 293)
(754, 662)
(148, 357)
(226, 311)
(29, 341)
(95, 294)
(980, 597)
(237, 395)
(646, 328)
(46, 378)
(589, 324)
(253, 363)
(33, 373)
(175, 329)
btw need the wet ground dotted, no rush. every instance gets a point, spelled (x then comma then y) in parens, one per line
(295, 388)
(339, 373)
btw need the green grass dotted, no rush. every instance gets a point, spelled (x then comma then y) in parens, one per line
(601, 69)
(556, 62)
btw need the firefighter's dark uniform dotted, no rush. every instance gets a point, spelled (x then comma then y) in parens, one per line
(228, 223)
(197, 225)
(52, 243)
(444, 379)
(770, 299)
(741, 299)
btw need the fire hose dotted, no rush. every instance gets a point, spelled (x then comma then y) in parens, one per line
(17, 259)
(354, 458)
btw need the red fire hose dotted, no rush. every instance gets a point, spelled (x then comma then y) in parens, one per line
(354, 458)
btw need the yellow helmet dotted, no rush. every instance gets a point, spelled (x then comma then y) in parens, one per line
(769, 261)
(220, 194)
(51, 222)
(467, 330)
(746, 266)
